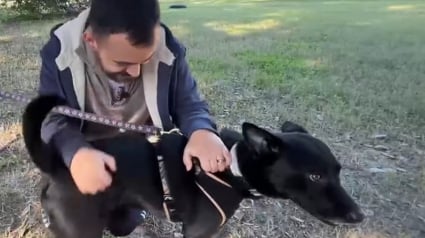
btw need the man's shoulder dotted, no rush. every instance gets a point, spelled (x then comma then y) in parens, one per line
(173, 43)
(52, 47)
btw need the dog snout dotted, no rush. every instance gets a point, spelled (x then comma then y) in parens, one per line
(354, 217)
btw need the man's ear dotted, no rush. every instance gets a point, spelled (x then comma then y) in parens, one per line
(89, 38)
(260, 140)
(289, 126)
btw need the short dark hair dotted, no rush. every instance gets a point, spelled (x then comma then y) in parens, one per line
(137, 18)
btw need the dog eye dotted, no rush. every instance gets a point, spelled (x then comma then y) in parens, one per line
(314, 177)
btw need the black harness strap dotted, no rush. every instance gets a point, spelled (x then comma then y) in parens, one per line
(221, 194)
(168, 204)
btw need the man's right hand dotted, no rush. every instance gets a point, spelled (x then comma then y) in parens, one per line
(89, 169)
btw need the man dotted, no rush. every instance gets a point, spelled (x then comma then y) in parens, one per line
(117, 60)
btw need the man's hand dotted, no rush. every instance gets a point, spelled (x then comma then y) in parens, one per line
(209, 149)
(89, 169)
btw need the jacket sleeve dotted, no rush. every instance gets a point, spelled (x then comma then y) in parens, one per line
(60, 131)
(191, 110)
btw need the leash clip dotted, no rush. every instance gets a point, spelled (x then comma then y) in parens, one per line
(154, 138)
(172, 131)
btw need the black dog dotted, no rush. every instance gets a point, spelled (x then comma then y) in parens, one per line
(288, 164)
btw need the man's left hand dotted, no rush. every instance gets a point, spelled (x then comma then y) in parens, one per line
(209, 149)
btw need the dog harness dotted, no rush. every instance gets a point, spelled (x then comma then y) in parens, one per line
(206, 182)
(215, 189)
(168, 200)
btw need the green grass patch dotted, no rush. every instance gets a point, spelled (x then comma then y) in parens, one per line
(209, 70)
(278, 70)
(358, 62)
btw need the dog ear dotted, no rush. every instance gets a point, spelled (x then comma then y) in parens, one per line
(289, 126)
(262, 141)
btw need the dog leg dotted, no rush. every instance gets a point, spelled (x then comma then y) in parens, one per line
(123, 220)
(205, 223)
(71, 214)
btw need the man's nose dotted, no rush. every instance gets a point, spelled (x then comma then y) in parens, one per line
(133, 70)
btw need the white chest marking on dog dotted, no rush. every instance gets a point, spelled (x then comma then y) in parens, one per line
(234, 166)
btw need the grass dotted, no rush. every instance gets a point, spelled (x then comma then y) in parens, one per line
(346, 70)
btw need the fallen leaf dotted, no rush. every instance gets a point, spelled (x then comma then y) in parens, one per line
(297, 219)
(389, 156)
(383, 170)
(380, 136)
(381, 148)
(401, 170)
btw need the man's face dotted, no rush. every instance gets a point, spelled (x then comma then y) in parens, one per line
(117, 57)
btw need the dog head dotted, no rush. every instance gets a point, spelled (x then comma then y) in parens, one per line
(292, 164)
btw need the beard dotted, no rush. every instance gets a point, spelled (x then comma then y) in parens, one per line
(120, 77)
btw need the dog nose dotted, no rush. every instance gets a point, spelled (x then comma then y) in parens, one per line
(354, 217)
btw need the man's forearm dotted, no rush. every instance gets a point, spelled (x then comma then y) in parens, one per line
(192, 112)
(64, 134)
(58, 130)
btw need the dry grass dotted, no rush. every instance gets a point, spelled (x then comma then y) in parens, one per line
(347, 70)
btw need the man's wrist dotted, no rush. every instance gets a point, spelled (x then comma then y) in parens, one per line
(203, 131)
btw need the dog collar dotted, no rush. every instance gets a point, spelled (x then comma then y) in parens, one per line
(236, 171)
(234, 166)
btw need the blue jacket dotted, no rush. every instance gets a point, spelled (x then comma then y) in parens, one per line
(171, 93)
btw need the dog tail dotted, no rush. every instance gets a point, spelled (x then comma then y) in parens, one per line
(34, 114)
